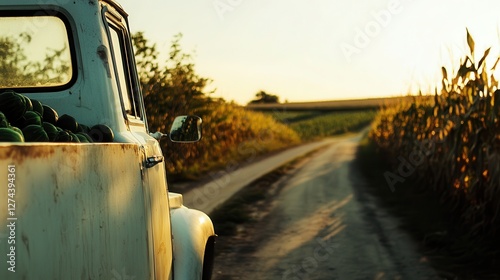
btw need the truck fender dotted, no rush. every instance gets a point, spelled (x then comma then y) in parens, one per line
(193, 241)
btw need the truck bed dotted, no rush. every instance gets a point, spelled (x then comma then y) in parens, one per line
(72, 215)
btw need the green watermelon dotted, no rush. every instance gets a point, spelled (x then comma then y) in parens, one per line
(49, 115)
(37, 106)
(74, 137)
(3, 120)
(63, 136)
(81, 138)
(10, 135)
(51, 130)
(101, 133)
(31, 117)
(27, 102)
(67, 122)
(84, 137)
(17, 129)
(13, 105)
(35, 133)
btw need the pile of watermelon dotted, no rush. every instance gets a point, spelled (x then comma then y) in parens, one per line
(27, 120)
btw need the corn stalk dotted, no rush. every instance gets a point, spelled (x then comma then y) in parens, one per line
(461, 123)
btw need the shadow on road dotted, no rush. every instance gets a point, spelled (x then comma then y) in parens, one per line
(322, 225)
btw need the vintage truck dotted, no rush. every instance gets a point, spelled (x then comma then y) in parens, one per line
(89, 210)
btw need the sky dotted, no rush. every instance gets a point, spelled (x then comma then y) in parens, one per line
(321, 49)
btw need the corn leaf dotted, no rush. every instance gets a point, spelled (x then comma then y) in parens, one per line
(481, 61)
(470, 42)
(495, 65)
(445, 74)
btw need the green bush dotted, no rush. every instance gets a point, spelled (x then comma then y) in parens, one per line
(230, 133)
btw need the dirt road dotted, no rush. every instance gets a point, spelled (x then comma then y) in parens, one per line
(323, 226)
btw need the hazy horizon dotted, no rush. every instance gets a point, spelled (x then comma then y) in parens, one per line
(326, 50)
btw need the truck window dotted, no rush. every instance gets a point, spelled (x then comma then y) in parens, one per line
(35, 51)
(123, 72)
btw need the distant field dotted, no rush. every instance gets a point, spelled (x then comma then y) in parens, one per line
(316, 124)
(288, 117)
(338, 105)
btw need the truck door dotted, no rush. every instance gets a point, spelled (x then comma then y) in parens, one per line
(153, 168)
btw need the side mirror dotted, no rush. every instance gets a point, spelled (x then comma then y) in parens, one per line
(186, 129)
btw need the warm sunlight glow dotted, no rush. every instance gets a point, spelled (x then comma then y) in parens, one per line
(321, 50)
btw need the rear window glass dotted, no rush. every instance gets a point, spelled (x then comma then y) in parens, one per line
(34, 52)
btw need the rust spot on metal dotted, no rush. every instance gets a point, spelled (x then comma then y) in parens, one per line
(18, 153)
(26, 243)
(56, 196)
(126, 147)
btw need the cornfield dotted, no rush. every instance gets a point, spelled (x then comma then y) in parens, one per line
(456, 135)
(329, 124)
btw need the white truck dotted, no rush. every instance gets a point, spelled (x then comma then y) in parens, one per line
(89, 210)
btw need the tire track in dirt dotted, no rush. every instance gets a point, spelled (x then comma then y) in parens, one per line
(322, 225)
